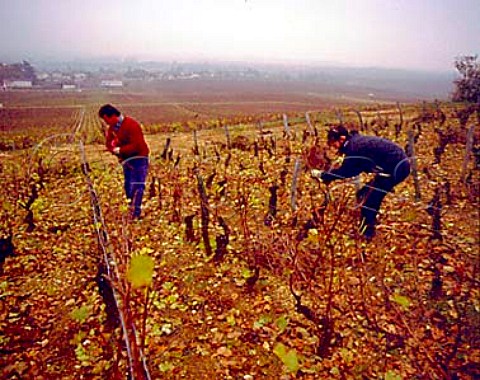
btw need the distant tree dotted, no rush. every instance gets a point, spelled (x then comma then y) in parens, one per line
(467, 87)
(28, 71)
(17, 71)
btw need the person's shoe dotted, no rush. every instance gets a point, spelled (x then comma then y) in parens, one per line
(369, 232)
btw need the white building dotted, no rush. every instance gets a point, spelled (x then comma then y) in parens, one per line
(79, 77)
(14, 84)
(111, 83)
(69, 87)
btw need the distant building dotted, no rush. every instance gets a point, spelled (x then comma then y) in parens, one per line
(111, 83)
(69, 87)
(17, 84)
(43, 76)
(58, 76)
(79, 77)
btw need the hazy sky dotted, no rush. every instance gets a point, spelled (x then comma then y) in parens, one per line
(414, 34)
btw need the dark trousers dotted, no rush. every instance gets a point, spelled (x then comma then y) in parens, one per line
(373, 192)
(135, 172)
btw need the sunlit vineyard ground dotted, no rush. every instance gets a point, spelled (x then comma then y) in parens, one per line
(255, 294)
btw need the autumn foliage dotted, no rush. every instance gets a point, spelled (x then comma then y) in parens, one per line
(242, 266)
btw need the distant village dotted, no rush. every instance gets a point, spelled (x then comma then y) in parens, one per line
(118, 74)
(23, 75)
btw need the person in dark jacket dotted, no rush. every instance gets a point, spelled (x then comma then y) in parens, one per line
(124, 139)
(367, 154)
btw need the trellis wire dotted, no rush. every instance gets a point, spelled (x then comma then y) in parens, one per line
(109, 256)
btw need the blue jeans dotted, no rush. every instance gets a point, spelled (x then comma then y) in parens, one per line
(135, 172)
(375, 190)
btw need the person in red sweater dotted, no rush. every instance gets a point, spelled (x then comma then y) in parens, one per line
(124, 139)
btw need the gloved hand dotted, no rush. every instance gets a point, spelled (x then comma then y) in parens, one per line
(317, 174)
(116, 150)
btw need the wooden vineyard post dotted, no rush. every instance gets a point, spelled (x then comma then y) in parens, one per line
(468, 152)
(413, 162)
(285, 125)
(435, 210)
(204, 214)
(160, 199)
(309, 123)
(398, 126)
(164, 154)
(296, 173)
(227, 135)
(360, 119)
(196, 151)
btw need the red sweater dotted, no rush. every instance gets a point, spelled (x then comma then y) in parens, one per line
(129, 138)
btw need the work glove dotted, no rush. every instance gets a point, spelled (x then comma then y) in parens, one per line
(116, 150)
(317, 174)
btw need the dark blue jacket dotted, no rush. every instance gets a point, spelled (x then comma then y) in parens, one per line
(369, 154)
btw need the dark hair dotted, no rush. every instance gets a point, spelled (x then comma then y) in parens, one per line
(335, 133)
(108, 110)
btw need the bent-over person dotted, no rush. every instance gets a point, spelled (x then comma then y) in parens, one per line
(367, 154)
